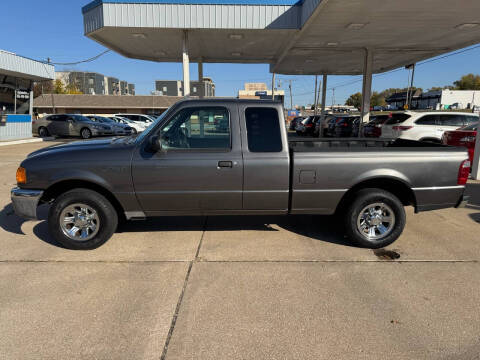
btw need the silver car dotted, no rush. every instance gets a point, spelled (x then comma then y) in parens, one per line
(117, 128)
(70, 125)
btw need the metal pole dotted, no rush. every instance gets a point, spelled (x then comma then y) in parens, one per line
(273, 86)
(15, 95)
(186, 66)
(366, 90)
(315, 96)
(200, 78)
(476, 159)
(291, 97)
(324, 97)
(411, 86)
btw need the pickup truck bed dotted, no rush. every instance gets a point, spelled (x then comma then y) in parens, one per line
(325, 170)
(231, 156)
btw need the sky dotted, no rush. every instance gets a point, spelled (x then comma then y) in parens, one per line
(54, 29)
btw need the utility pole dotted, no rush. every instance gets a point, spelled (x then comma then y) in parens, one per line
(273, 86)
(291, 98)
(333, 97)
(315, 97)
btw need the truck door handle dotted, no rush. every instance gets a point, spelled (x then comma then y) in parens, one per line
(225, 164)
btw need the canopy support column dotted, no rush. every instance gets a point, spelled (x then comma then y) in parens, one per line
(476, 158)
(366, 90)
(186, 66)
(324, 98)
(200, 79)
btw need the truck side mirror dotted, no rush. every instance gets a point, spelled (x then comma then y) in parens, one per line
(154, 144)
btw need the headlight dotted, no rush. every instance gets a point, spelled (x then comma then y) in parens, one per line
(21, 175)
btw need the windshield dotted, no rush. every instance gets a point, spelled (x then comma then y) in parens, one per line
(159, 120)
(101, 119)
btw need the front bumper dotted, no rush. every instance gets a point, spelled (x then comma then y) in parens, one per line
(25, 202)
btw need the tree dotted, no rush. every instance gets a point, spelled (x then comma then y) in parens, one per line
(59, 88)
(468, 82)
(72, 89)
(355, 100)
(377, 99)
(42, 87)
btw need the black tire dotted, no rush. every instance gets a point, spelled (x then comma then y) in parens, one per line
(361, 200)
(85, 133)
(43, 132)
(134, 131)
(431, 140)
(108, 218)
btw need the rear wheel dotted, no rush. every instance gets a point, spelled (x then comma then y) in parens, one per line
(85, 133)
(43, 132)
(375, 218)
(82, 219)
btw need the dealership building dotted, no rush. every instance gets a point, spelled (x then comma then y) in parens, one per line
(17, 76)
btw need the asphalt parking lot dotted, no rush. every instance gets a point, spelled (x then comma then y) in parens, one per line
(239, 288)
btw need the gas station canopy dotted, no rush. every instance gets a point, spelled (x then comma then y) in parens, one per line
(308, 37)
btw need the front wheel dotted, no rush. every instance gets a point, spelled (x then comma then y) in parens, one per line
(43, 132)
(375, 218)
(82, 219)
(86, 133)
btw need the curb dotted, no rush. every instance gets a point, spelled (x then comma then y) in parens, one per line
(23, 141)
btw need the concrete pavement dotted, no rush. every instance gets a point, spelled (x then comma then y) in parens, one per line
(239, 288)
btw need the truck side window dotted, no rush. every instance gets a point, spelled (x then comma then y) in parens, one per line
(198, 128)
(263, 130)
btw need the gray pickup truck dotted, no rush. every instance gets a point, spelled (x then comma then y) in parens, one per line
(234, 157)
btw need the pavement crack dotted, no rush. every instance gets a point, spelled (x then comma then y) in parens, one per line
(182, 293)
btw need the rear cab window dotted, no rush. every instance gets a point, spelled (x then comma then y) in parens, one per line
(263, 130)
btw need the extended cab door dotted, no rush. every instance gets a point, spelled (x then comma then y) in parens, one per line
(200, 166)
(266, 175)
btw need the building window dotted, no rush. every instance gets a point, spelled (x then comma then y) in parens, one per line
(164, 89)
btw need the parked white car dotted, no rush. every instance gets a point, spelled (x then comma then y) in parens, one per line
(146, 119)
(425, 126)
(137, 126)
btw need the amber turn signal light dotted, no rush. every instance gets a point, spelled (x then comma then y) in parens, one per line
(21, 175)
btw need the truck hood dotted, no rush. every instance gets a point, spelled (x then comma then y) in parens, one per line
(95, 144)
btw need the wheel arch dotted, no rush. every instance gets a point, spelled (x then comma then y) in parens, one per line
(63, 186)
(396, 186)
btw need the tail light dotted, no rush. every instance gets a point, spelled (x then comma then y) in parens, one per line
(463, 172)
(309, 125)
(402, 128)
(468, 139)
(344, 124)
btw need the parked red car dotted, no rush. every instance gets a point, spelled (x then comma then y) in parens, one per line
(462, 137)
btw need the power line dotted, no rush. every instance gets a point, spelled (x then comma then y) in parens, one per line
(84, 61)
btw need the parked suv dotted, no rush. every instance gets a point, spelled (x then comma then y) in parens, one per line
(425, 126)
(307, 126)
(69, 125)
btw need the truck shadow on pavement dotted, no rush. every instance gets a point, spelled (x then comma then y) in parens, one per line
(473, 190)
(321, 228)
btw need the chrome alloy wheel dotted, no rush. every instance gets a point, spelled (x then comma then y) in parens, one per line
(376, 221)
(79, 222)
